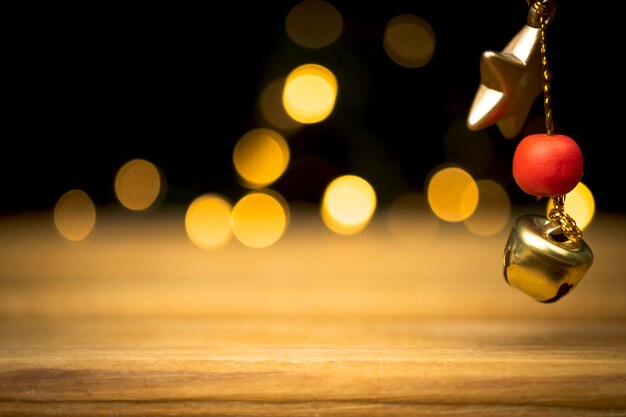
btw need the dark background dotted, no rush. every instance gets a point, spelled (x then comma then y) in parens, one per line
(90, 87)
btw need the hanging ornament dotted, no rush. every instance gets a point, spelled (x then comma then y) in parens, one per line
(510, 81)
(544, 257)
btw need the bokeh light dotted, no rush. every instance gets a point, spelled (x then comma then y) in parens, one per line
(409, 41)
(260, 157)
(452, 194)
(207, 221)
(493, 211)
(580, 204)
(75, 215)
(260, 218)
(138, 184)
(411, 222)
(348, 204)
(472, 150)
(272, 109)
(314, 24)
(310, 93)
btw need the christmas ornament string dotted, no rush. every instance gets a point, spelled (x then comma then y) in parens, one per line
(543, 14)
(557, 213)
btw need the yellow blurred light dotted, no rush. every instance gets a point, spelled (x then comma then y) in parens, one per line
(207, 221)
(409, 41)
(411, 222)
(314, 24)
(75, 215)
(310, 93)
(260, 218)
(348, 204)
(580, 204)
(493, 210)
(138, 184)
(260, 157)
(272, 109)
(452, 194)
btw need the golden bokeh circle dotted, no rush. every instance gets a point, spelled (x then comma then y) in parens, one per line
(74, 215)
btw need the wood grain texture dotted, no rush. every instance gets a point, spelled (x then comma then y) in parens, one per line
(305, 366)
(137, 322)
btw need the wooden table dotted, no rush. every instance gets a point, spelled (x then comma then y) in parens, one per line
(137, 321)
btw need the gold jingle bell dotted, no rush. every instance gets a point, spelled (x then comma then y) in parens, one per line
(541, 261)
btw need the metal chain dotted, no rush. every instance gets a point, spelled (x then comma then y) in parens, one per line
(567, 223)
(557, 214)
(544, 12)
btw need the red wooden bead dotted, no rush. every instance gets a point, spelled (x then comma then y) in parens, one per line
(547, 165)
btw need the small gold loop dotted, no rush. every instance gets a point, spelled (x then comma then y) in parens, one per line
(567, 223)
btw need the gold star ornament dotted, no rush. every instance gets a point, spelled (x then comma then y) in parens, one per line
(510, 81)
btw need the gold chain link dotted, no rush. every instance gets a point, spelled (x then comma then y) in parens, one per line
(543, 12)
(557, 214)
(567, 223)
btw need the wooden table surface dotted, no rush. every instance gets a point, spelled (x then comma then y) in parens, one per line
(137, 321)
